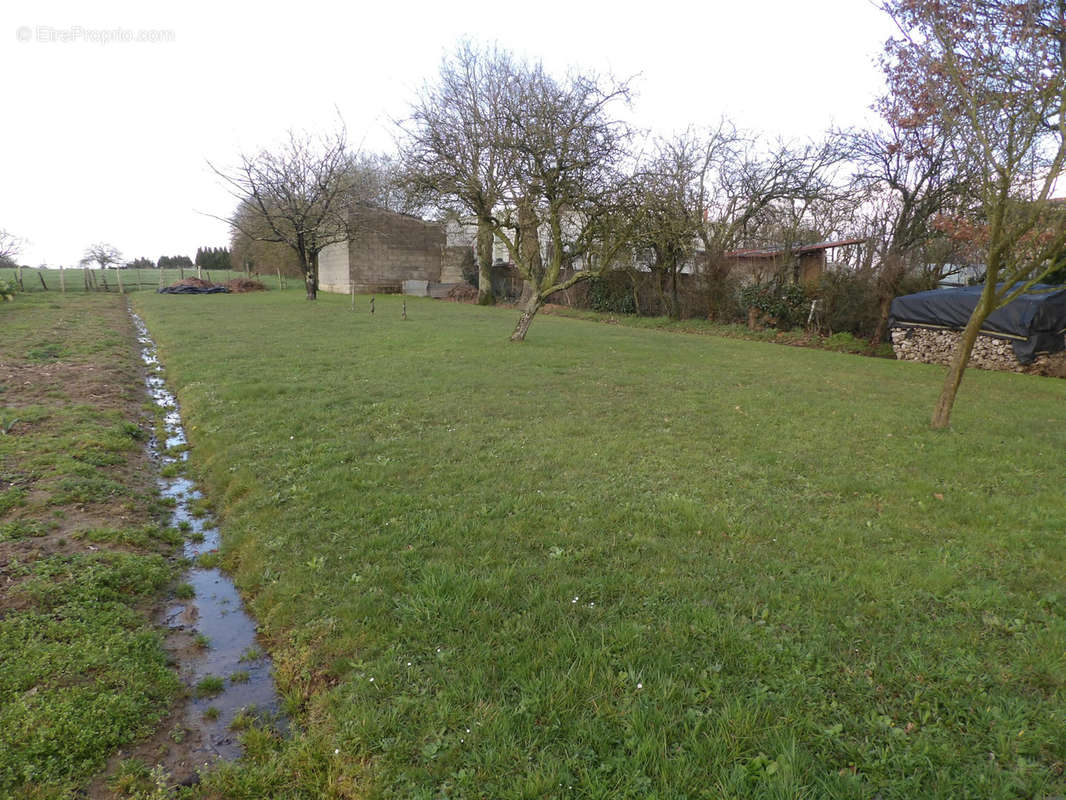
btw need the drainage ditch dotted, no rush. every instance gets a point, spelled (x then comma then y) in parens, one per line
(227, 672)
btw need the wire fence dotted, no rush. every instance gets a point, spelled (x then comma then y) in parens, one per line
(34, 279)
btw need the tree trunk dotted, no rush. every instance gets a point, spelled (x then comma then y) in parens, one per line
(309, 266)
(892, 272)
(485, 295)
(946, 401)
(882, 325)
(675, 299)
(524, 321)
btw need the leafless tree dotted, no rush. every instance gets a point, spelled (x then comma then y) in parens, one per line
(453, 147)
(382, 181)
(993, 75)
(10, 246)
(908, 179)
(299, 195)
(105, 256)
(672, 193)
(566, 182)
(723, 189)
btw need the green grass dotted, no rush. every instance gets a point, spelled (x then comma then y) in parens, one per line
(209, 686)
(81, 672)
(82, 669)
(634, 563)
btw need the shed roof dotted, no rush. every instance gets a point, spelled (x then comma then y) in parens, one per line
(771, 252)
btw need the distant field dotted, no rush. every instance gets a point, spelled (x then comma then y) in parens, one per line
(613, 562)
(73, 280)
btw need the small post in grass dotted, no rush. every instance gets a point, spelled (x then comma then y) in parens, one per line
(280, 284)
(62, 281)
(403, 313)
(118, 277)
(371, 305)
(160, 277)
(351, 291)
(40, 274)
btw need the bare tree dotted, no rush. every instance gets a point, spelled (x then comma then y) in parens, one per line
(299, 196)
(10, 246)
(256, 254)
(672, 190)
(754, 192)
(992, 74)
(566, 182)
(909, 180)
(453, 146)
(105, 256)
(382, 181)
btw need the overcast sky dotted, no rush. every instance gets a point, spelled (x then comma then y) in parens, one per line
(112, 109)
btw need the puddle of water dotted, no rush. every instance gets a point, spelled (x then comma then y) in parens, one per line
(216, 611)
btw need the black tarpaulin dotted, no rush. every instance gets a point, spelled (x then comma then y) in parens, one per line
(1034, 322)
(193, 290)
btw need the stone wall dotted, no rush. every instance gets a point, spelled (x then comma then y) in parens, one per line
(932, 346)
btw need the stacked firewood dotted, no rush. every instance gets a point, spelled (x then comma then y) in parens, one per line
(938, 346)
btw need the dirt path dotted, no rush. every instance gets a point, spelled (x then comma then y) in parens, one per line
(78, 500)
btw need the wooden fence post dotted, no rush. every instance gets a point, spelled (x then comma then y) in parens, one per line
(62, 280)
(118, 277)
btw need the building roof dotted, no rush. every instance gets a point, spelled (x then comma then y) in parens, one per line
(770, 252)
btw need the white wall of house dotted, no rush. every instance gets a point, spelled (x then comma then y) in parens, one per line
(333, 271)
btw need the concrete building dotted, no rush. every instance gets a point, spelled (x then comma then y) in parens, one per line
(390, 248)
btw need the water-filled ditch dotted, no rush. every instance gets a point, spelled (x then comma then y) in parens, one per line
(227, 653)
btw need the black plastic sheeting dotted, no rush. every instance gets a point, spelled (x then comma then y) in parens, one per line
(1034, 322)
(193, 290)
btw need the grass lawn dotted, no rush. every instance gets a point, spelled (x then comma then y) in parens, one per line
(613, 562)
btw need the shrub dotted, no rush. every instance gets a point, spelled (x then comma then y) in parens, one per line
(8, 290)
(783, 303)
(848, 302)
(611, 293)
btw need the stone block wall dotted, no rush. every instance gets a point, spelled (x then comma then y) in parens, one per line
(392, 248)
(932, 346)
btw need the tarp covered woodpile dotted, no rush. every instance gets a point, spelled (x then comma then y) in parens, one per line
(1034, 323)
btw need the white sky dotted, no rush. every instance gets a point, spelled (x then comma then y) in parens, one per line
(109, 141)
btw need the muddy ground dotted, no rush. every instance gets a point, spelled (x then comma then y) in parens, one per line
(54, 357)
